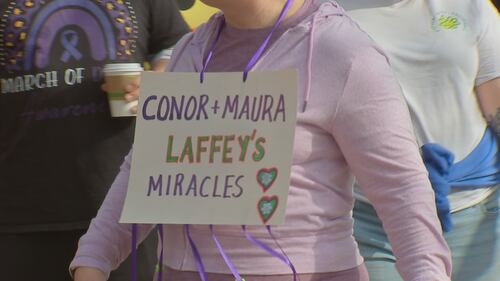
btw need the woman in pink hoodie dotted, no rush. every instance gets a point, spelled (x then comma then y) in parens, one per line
(351, 121)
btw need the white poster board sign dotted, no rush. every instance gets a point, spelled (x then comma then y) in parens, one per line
(217, 152)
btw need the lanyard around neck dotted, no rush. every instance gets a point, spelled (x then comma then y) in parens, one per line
(256, 56)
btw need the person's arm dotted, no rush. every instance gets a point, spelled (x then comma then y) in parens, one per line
(107, 243)
(373, 129)
(167, 26)
(488, 95)
(488, 77)
(160, 61)
(160, 65)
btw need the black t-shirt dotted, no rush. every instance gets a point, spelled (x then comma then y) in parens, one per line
(59, 148)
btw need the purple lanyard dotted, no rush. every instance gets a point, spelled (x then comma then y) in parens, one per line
(199, 262)
(256, 56)
(133, 256)
(159, 266)
(282, 256)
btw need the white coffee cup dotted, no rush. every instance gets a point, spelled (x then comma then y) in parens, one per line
(117, 77)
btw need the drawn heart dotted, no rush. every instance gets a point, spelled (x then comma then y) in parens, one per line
(267, 206)
(266, 177)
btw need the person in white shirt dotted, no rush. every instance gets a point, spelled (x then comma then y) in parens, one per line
(446, 56)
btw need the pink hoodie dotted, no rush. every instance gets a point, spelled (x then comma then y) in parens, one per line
(355, 123)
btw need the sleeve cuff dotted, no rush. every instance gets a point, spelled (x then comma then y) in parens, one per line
(163, 54)
(86, 261)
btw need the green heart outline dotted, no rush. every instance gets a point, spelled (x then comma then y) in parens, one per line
(273, 200)
(273, 172)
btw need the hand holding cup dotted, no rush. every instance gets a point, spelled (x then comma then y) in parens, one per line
(131, 93)
(122, 87)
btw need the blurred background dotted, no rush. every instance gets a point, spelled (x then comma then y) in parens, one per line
(195, 12)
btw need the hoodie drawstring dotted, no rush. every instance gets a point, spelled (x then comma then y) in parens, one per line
(309, 63)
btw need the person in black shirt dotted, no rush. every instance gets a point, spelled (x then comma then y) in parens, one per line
(59, 148)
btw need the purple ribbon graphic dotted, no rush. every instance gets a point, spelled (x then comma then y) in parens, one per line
(69, 40)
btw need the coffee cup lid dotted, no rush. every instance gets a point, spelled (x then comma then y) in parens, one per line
(122, 67)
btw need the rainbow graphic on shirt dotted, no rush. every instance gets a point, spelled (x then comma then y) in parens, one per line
(30, 29)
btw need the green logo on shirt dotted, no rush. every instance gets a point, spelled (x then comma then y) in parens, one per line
(449, 22)
(444, 21)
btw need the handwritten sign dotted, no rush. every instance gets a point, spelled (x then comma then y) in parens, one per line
(217, 152)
